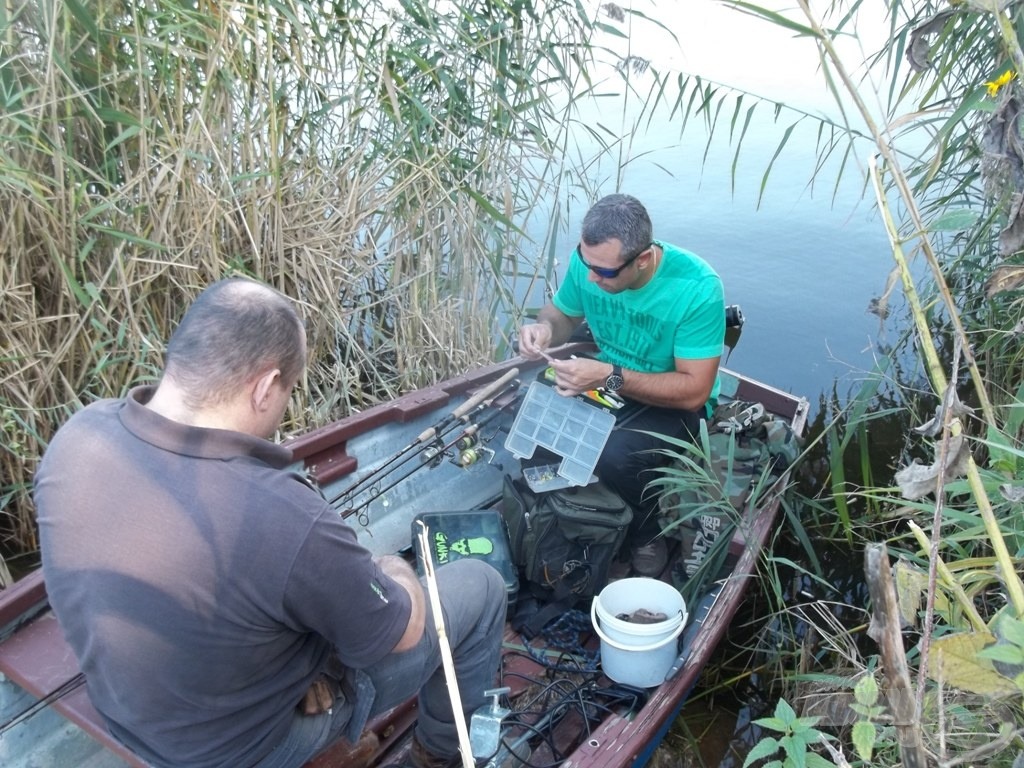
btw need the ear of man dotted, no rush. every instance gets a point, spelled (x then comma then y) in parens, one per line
(268, 397)
(263, 390)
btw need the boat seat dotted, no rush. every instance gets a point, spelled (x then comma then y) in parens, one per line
(38, 659)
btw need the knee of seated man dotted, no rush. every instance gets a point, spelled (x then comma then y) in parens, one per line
(466, 564)
(476, 580)
(473, 572)
(628, 464)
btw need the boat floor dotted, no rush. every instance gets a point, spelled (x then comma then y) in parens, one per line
(37, 658)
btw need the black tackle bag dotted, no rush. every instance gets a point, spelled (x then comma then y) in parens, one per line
(564, 541)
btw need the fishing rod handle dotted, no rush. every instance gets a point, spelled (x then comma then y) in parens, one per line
(467, 406)
(483, 394)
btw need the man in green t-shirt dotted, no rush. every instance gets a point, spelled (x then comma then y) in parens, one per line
(657, 315)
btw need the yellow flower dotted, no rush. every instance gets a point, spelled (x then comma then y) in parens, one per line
(999, 82)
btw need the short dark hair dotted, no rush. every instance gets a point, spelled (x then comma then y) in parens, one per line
(235, 329)
(619, 217)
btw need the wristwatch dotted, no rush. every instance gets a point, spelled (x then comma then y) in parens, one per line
(615, 381)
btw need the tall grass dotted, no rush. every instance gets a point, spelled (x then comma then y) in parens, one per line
(371, 159)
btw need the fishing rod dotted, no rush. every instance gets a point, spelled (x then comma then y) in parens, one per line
(70, 685)
(447, 659)
(408, 453)
(432, 453)
(478, 402)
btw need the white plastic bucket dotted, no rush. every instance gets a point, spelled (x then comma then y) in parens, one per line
(638, 654)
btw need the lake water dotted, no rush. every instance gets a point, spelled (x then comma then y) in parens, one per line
(805, 262)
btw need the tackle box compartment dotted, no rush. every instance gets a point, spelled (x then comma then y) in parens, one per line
(566, 426)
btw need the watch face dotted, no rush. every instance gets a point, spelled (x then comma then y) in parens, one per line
(613, 383)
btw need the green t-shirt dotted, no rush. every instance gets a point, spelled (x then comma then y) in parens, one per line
(680, 313)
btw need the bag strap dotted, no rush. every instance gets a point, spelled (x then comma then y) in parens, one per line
(751, 415)
(531, 623)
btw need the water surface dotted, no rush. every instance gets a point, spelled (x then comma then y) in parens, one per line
(803, 257)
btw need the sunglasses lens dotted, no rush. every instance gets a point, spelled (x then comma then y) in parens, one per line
(603, 272)
(609, 273)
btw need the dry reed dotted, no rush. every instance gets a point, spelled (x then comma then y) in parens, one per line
(368, 165)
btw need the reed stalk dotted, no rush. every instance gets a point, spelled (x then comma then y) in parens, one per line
(1011, 579)
(371, 162)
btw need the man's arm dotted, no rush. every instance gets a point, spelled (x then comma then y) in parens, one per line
(688, 387)
(403, 574)
(552, 328)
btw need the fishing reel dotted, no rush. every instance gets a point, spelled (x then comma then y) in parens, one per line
(464, 452)
(434, 454)
(467, 457)
(471, 450)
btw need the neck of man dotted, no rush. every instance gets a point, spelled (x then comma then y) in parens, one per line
(169, 401)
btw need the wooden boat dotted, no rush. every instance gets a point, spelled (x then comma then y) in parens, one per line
(45, 714)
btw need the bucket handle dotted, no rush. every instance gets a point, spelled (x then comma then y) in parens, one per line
(639, 648)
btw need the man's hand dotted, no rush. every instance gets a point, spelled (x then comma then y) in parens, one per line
(552, 328)
(319, 698)
(534, 339)
(579, 374)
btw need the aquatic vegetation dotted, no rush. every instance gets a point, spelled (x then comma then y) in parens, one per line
(944, 638)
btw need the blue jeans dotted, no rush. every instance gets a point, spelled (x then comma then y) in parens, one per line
(473, 601)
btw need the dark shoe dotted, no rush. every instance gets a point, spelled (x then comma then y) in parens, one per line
(650, 559)
(419, 757)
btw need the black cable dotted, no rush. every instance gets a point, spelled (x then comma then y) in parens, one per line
(536, 721)
(552, 686)
(524, 761)
(572, 665)
(542, 721)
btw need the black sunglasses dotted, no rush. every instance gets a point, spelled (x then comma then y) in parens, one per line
(610, 273)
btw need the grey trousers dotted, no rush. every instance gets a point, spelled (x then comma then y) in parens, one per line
(473, 601)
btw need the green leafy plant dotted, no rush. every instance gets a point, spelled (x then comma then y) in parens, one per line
(707, 486)
(1007, 652)
(865, 732)
(797, 736)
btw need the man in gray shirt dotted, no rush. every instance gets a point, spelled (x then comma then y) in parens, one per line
(222, 612)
